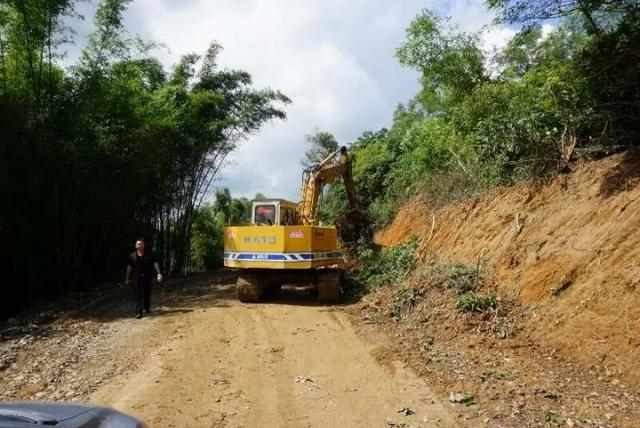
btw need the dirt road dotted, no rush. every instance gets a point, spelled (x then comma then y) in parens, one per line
(207, 360)
(204, 360)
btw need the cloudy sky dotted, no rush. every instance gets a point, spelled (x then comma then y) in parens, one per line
(333, 58)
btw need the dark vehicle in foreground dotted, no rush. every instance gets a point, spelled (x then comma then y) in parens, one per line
(21, 414)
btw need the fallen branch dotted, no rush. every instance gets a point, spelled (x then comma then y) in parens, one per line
(475, 283)
(426, 244)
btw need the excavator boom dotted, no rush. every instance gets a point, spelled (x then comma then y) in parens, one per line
(314, 180)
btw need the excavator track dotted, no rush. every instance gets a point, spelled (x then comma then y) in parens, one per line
(249, 287)
(329, 289)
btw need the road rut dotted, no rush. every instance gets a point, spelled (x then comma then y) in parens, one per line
(287, 362)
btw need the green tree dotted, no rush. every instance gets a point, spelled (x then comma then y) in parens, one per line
(450, 63)
(321, 144)
(222, 203)
(240, 211)
(608, 33)
(206, 240)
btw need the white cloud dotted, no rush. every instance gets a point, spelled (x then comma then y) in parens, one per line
(496, 38)
(547, 29)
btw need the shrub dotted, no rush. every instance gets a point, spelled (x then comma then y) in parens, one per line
(476, 303)
(381, 267)
(403, 298)
(451, 276)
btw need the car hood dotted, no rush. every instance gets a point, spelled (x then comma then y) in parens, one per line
(21, 414)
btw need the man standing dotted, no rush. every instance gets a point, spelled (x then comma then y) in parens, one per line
(141, 264)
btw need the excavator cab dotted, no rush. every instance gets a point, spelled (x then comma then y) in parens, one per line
(273, 212)
(264, 213)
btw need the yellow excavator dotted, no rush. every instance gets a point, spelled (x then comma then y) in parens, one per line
(285, 243)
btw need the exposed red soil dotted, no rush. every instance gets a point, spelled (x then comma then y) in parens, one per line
(564, 258)
(570, 248)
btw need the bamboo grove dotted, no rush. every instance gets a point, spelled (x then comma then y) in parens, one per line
(111, 148)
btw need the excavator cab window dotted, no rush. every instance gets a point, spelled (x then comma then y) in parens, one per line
(265, 214)
(286, 216)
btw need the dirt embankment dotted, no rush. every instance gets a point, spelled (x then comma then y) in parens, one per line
(567, 253)
(569, 248)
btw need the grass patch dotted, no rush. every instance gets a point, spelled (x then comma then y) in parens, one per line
(384, 266)
(471, 302)
(550, 417)
(503, 376)
(485, 376)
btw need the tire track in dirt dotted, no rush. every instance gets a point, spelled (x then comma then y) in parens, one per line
(279, 363)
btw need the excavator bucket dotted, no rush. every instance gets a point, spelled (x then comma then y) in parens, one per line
(352, 227)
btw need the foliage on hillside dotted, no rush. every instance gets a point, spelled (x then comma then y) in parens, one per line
(113, 148)
(523, 112)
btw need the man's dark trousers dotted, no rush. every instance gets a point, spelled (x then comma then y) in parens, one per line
(142, 294)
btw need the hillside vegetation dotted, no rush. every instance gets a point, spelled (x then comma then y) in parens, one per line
(506, 198)
(566, 87)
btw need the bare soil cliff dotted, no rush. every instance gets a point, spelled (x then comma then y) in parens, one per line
(566, 251)
(571, 247)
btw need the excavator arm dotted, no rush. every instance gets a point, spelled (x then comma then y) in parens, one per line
(314, 179)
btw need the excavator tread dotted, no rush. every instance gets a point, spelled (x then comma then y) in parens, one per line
(249, 288)
(329, 289)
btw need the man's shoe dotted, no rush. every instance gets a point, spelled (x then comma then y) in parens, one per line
(139, 316)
